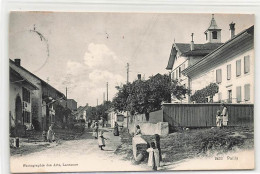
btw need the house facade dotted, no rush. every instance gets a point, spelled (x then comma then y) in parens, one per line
(70, 103)
(184, 55)
(41, 100)
(231, 66)
(20, 100)
(119, 117)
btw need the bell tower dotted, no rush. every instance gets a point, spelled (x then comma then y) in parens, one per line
(213, 33)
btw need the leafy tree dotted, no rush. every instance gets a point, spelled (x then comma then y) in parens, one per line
(145, 96)
(200, 96)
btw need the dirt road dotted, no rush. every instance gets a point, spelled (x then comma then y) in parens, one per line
(76, 155)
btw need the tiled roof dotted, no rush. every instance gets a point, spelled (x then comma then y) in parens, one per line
(184, 49)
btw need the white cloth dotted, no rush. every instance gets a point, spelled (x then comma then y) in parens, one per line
(152, 151)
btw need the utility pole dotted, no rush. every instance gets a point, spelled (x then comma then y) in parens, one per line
(107, 91)
(127, 72)
(127, 81)
(97, 102)
(104, 97)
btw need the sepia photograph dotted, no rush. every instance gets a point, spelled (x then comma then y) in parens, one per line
(118, 91)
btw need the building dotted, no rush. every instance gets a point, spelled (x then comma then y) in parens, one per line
(70, 103)
(20, 100)
(231, 66)
(41, 100)
(81, 113)
(120, 118)
(184, 55)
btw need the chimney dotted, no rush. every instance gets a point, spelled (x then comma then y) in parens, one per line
(192, 42)
(139, 76)
(17, 62)
(232, 30)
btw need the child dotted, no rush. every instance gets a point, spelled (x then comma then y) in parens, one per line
(101, 140)
(219, 119)
(153, 159)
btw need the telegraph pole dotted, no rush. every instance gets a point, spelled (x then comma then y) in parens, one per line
(66, 97)
(104, 98)
(97, 102)
(107, 91)
(127, 72)
(127, 81)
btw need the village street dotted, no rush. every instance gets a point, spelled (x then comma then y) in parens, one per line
(76, 155)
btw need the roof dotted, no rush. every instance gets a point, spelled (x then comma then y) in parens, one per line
(246, 35)
(81, 108)
(16, 77)
(184, 49)
(44, 83)
(213, 25)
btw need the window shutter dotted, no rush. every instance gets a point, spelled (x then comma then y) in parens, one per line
(247, 92)
(173, 77)
(179, 71)
(229, 72)
(238, 68)
(246, 64)
(238, 94)
(177, 74)
(218, 76)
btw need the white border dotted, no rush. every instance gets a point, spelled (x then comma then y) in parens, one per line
(174, 6)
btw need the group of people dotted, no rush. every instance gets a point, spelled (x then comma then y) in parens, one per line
(50, 136)
(99, 135)
(222, 116)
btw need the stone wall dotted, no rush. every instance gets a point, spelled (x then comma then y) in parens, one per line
(161, 128)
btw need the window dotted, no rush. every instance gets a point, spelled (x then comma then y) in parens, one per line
(229, 72)
(247, 92)
(246, 64)
(26, 117)
(177, 74)
(238, 94)
(214, 35)
(206, 36)
(179, 71)
(229, 96)
(238, 68)
(26, 95)
(218, 76)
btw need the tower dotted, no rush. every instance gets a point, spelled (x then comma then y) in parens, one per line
(213, 33)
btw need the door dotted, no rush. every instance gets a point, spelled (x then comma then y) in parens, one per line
(229, 96)
(18, 111)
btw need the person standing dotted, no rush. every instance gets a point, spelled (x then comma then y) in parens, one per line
(116, 132)
(153, 159)
(95, 130)
(224, 115)
(101, 140)
(158, 145)
(50, 133)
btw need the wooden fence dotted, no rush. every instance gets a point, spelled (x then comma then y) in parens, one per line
(204, 115)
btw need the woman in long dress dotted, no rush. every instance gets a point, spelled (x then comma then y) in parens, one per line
(95, 130)
(50, 133)
(154, 157)
(116, 132)
(224, 114)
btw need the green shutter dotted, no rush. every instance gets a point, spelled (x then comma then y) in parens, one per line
(238, 94)
(247, 92)
(229, 72)
(246, 64)
(238, 67)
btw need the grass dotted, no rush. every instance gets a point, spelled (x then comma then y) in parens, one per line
(197, 142)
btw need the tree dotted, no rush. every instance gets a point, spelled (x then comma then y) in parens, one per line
(145, 96)
(200, 96)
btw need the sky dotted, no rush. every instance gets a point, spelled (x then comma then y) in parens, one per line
(84, 51)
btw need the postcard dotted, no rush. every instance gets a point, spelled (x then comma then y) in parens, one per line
(108, 91)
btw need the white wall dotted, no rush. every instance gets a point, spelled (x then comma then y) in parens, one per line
(208, 77)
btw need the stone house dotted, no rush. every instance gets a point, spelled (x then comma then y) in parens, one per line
(42, 112)
(184, 55)
(231, 66)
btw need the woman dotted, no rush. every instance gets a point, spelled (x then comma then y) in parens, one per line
(153, 159)
(224, 115)
(50, 134)
(95, 130)
(116, 132)
(101, 140)
(138, 130)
